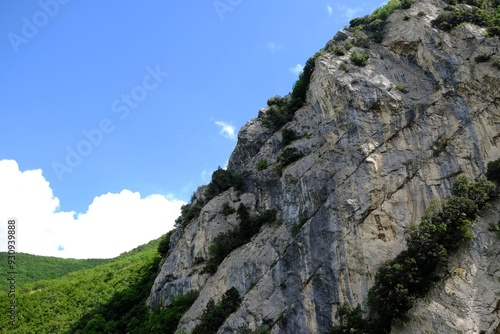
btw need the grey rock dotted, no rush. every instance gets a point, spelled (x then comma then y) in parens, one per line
(373, 159)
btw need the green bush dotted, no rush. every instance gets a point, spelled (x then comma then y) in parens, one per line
(96, 325)
(374, 24)
(227, 209)
(339, 50)
(276, 117)
(278, 169)
(298, 226)
(401, 87)
(359, 59)
(188, 213)
(262, 164)
(475, 3)
(495, 228)
(298, 96)
(493, 172)
(479, 191)
(496, 63)
(220, 248)
(165, 321)
(484, 14)
(214, 315)
(164, 245)
(282, 110)
(350, 318)
(289, 156)
(343, 67)
(405, 4)
(276, 101)
(359, 22)
(287, 135)
(481, 58)
(225, 243)
(222, 180)
(360, 40)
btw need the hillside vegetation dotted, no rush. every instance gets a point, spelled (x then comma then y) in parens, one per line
(109, 298)
(33, 268)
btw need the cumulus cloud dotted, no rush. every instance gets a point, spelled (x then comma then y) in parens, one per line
(227, 130)
(273, 47)
(113, 223)
(329, 9)
(297, 69)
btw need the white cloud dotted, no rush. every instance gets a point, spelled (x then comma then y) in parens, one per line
(273, 47)
(348, 12)
(329, 9)
(297, 69)
(227, 130)
(113, 223)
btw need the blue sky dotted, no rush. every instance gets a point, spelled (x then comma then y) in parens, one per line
(101, 98)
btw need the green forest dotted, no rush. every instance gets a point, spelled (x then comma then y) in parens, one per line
(33, 268)
(84, 296)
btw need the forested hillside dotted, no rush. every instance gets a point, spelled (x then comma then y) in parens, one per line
(108, 298)
(33, 268)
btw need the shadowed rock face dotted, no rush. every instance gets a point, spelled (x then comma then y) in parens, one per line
(373, 159)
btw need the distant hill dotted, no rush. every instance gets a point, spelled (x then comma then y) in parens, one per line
(80, 300)
(33, 268)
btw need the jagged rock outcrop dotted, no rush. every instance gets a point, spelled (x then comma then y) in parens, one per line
(379, 143)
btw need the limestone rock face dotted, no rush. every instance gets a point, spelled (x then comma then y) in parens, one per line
(378, 143)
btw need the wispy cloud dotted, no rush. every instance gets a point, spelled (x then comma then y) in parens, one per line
(205, 175)
(329, 9)
(108, 227)
(273, 47)
(297, 69)
(349, 12)
(227, 130)
(188, 188)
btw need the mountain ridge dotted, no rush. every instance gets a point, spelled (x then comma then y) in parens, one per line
(29, 267)
(70, 303)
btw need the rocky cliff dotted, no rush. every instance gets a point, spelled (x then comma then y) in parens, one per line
(375, 144)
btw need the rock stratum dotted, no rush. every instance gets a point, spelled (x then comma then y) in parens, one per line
(378, 143)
